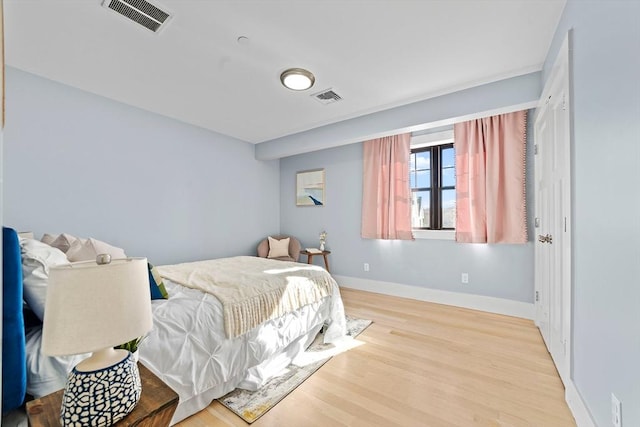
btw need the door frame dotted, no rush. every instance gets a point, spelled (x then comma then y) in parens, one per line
(560, 78)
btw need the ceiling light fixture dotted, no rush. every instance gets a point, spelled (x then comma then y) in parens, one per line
(297, 79)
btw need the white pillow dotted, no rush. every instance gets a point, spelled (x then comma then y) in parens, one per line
(278, 248)
(37, 258)
(88, 250)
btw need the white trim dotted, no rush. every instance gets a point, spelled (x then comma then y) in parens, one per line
(431, 139)
(577, 406)
(446, 122)
(458, 299)
(479, 115)
(430, 125)
(434, 234)
(559, 83)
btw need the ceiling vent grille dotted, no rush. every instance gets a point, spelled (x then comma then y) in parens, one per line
(141, 12)
(327, 96)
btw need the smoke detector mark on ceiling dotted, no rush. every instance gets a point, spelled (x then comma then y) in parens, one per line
(141, 12)
(327, 96)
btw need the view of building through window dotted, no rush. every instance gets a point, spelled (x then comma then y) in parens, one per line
(433, 187)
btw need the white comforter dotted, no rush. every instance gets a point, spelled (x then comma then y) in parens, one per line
(187, 347)
(251, 289)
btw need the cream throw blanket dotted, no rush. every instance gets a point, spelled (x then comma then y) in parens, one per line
(253, 290)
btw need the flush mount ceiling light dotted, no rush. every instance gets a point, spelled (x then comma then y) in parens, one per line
(297, 79)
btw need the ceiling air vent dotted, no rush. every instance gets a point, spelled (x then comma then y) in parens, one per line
(140, 11)
(327, 96)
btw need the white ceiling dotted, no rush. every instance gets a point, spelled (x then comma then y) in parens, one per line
(376, 54)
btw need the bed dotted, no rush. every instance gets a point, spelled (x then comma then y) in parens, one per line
(191, 346)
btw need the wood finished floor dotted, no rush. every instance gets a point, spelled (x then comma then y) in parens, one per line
(423, 364)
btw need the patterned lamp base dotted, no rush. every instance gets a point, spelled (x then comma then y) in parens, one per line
(103, 397)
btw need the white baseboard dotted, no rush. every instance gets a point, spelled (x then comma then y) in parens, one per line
(577, 406)
(458, 299)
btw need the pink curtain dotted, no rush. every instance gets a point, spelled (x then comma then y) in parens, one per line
(490, 179)
(386, 195)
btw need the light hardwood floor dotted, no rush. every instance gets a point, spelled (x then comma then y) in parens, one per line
(423, 364)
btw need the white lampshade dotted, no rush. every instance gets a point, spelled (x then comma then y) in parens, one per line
(94, 306)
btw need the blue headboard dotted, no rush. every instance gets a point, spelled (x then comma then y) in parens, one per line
(14, 363)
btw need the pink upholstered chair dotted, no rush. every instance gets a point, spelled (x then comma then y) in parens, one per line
(294, 248)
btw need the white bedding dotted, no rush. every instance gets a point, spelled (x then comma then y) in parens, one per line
(188, 349)
(46, 374)
(251, 289)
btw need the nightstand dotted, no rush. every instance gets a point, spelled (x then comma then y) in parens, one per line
(157, 404)
(311, 254)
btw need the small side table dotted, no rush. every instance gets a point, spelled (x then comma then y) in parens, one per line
(310, 257)
(155, 408)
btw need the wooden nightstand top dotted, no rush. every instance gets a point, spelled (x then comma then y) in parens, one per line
(157, 404)
(311, 254)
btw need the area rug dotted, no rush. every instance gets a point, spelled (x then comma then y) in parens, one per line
(251, 405)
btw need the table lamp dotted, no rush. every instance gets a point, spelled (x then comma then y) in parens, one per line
(92, 307)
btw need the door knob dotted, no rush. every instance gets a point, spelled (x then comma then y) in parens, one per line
(545, 239)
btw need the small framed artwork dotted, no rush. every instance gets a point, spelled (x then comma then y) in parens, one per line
(310, 188)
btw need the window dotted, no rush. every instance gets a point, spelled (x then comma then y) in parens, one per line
(433, 186)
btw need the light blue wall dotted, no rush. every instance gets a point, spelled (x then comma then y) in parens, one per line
(78, 163)
(503, 271)
(606, 202)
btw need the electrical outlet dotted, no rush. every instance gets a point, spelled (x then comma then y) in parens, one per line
(366, 266)
(465, 278)
(616, 411)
